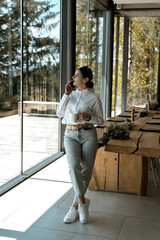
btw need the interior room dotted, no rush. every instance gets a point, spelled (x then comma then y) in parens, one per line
(43, 43)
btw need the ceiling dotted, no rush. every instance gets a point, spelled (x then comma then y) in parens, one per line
(138, 8)
(135, 1)
(130, 8)
(95, 4)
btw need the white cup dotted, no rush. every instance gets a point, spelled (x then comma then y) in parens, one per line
(73, 117)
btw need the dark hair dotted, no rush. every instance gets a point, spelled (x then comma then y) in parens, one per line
(87, 73)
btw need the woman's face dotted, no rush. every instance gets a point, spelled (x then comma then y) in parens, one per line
(79, 81)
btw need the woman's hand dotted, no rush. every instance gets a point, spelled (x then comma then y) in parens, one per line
(83, 117)
(68, 88)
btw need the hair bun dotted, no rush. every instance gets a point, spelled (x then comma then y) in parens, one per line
(90, 84)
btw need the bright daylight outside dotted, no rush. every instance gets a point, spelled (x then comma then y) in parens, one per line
(143, 58)
(37, 138)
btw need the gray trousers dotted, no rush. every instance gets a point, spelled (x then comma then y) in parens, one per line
(81, 147)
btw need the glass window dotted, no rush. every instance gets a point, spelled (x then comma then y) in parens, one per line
(9, 90)
(81, 35)
(143, 60)
(117, 65)
(40, 80)
(41, 75)
(89, 39)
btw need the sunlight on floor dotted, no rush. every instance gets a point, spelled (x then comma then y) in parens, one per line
(7, 238)
(34, 197)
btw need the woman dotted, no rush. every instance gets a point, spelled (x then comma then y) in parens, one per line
(80, 138)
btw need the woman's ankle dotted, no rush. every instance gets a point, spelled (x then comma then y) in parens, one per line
(75, 205)
(81, 200)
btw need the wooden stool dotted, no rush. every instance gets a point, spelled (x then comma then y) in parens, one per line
(154, 170)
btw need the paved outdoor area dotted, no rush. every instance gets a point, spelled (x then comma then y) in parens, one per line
(40, 141)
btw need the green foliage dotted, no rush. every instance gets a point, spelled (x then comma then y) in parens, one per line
(116, 131)
(144, 53)
(154, 105)
(2, 96)
(143, 113)
(117, 62)
(89, 44)
(9, 47)
(40, 53)
(81, 37)
(142, 61)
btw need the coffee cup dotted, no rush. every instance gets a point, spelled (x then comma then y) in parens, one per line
(73, 117)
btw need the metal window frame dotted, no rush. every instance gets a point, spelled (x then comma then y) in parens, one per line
(116, 65)
(158, 79)
(107, 67)
(67, 50)
(21, 86)
(125, 65)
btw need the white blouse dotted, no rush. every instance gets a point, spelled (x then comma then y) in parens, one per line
(83, 101)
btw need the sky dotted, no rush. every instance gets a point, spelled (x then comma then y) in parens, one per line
(52, 33)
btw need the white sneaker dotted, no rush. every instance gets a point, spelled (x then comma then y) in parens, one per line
(71, 216)
(83, 211)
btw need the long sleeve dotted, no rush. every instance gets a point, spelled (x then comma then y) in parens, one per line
(97, 115)
(62, 106)
(81, 102)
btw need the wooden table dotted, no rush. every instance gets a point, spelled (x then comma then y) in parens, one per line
(122, 165)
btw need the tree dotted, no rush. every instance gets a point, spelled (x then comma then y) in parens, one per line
(9, 48)
(89, 43)
(41, 50)
(144, 51)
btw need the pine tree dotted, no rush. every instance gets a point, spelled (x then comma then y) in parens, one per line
(41, 50)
